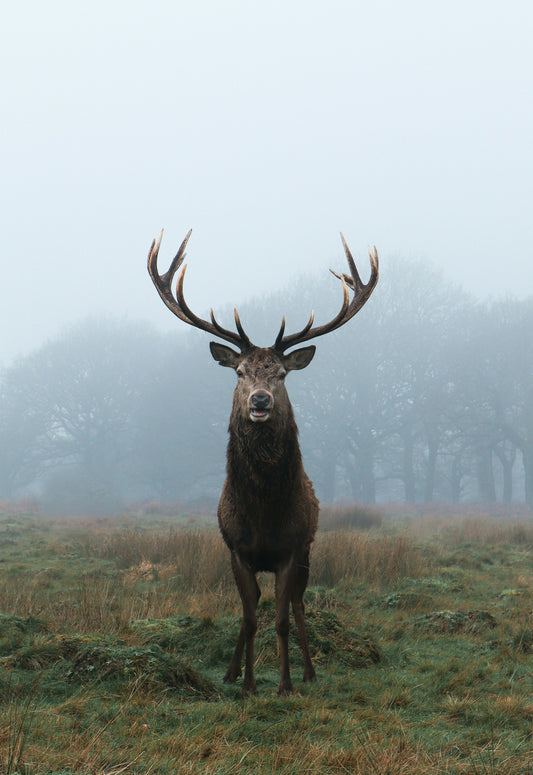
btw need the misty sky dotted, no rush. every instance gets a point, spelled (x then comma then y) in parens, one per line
(267, 128)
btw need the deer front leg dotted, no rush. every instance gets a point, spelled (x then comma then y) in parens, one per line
(285, 579)
(298, 608)
(250, 594)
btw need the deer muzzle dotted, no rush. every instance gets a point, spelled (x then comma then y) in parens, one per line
(260, 404)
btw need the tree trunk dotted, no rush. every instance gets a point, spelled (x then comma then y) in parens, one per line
(507, 481)
(507, 470)
(527, 458)
(366, 468)
(485, 476)
(327, 477)
(429, 487)
(456, 476)
(361, 476)
(408, 469)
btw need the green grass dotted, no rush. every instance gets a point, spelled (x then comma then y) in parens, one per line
(114, 636)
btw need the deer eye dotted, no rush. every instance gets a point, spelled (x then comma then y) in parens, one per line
(240, 373)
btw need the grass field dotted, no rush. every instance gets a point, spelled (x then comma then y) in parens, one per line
(115, 634)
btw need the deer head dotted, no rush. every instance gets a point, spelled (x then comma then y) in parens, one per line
(261, 371)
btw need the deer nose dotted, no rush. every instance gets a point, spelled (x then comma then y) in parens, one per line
(261, 400)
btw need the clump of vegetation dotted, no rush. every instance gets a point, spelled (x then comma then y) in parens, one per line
(204, 640)
(484, 531)
(456, 621)
(331, 639)
(15, 630)
(378, 558)
(409, 600)
(198, 558)
(151, 665)
(107, 662)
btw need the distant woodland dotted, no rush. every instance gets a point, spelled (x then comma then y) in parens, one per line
(427, 395)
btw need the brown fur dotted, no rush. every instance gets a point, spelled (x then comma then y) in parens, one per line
(268, 511)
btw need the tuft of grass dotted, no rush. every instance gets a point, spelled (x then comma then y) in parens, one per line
(150, 665)
(490, 532)
(456, 621)
(198, 558)
(20, 717)
(377, 558)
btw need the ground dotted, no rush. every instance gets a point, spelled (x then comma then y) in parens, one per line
(115, 634)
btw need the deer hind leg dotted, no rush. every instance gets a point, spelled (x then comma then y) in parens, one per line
(250, 593)
(298, 609)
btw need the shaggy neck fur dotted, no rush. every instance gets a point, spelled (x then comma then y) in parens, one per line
(264, 455)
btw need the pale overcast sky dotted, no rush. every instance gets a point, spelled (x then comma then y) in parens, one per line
(267, 128)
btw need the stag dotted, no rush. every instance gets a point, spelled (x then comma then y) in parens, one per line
(268, 511)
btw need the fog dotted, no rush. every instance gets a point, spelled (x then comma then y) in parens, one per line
(267, 129)
(424, 397)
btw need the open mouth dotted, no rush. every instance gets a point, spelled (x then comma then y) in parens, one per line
(259, 415)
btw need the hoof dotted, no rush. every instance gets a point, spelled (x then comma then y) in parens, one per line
(249, 691)
(285, 690)
(231, 676)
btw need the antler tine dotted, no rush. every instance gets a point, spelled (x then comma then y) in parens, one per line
(163, 283)
(351, 263)
(280, 334)
(177, 303)
(214, 327)
(374, 263)
(348, 308)
(282, 342)
(178, 258)
(240, 329)
(230, 336)
(374, 260)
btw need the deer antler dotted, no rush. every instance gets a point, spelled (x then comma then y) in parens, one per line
(177, 303)
(348, 308)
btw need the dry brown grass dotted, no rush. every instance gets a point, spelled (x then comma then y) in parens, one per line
(201, 561)
(454, 701)
(490, 532)
(470, 527)
(191, 569)
(344, 555)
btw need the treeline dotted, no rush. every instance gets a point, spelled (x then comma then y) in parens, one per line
(426, 395)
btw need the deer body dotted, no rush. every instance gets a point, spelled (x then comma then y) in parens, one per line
(268, 511)
(267, 507)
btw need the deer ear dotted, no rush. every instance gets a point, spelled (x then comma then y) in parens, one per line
(299, 359)
(225, 355)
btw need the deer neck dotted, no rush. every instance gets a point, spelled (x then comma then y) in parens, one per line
(264, 450)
